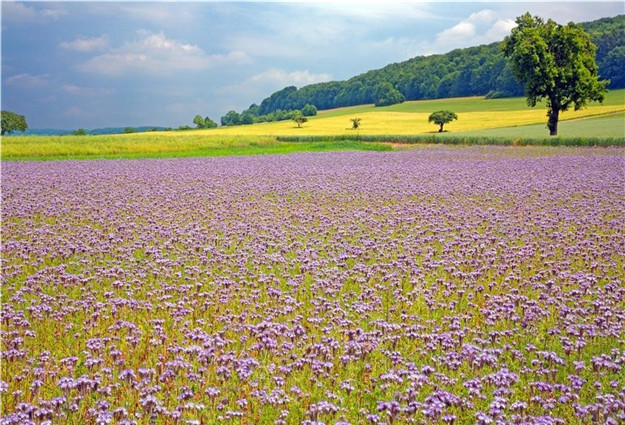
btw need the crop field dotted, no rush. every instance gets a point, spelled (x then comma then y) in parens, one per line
(477, 117)
(438, 285)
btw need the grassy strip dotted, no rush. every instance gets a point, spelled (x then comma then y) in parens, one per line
(461, 140)
(250, 149)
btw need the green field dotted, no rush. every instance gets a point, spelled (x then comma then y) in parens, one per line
(480, 120)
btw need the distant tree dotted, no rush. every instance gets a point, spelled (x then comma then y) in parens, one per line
(386, 94)
(298, 118)
(441, 118)
(355, 123)
(246, 118)
(556, 63)
(80, 132)
(184, 128)
(231, 118)
(614, 65)
(129, 130)
(309, 110)
(199, 121)
(254, 109)
(209, 123)
(12, 122)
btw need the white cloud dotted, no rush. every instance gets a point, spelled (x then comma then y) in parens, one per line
(27, 80)
(86, 44)
(259, 86)
(17, 12)
(277, 76)
(457, 33)
(500, 29)
(86, 91)
(158, 55)
(483, 17)
(482, 27)
(162, 14)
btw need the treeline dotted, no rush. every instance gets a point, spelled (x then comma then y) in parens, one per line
(253, 115)
(473, 71)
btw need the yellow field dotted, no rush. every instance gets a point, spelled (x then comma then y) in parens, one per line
(408, 118)
(398, 121)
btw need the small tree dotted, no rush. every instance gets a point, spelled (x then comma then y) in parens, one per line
(129, 130)
(355, 123)
(80, 132)
(441, 118)
(299, 118)
(309, 110)
(12, 122)
(231, 118)
(199, 121)
(209, 123)
(556, 63)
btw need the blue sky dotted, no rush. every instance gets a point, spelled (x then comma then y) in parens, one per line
(97, 64)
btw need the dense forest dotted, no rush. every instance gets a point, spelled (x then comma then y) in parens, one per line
(472, 71)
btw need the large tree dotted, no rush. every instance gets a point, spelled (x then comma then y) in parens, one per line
(556, 63)
(12, 122)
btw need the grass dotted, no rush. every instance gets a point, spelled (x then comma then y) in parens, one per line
(157, 146)
(490, 121)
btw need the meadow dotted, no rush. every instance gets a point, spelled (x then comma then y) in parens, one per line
(502, 121)
(437, 285)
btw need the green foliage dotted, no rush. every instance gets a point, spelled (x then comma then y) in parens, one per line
(474, 71)
(355, 123)
(209, 123)
(386, 95)
(608, 34)
(80, 132)
(198, 121)
(309, 110)
(556, 63)
(441, 118)
(298, 118)
(128, 130)
(231, 118)
(12, 122)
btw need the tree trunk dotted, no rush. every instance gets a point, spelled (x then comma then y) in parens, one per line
(552, 124)
(440, 130)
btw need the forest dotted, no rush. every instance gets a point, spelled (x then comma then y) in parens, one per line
(473, 71)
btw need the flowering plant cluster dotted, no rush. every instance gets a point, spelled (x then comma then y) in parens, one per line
(432, 286)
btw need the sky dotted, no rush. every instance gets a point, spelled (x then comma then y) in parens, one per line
(69, 65)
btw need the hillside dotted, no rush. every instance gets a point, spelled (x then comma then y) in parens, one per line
(474, 71)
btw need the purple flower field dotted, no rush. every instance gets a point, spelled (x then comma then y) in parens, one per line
(430, 286)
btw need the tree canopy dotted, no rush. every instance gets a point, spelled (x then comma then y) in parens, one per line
(299, 118)
(441, 118)
(12, 122)
(556, 63)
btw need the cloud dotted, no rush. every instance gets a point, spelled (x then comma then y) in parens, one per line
(277, 76)
(27, 81)
(86, 91)
(482, 27)
(456, 33)
(157, 55)
(500, 29)
(163, 14)
(260, 85)
(17, 12)
(86, 44)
